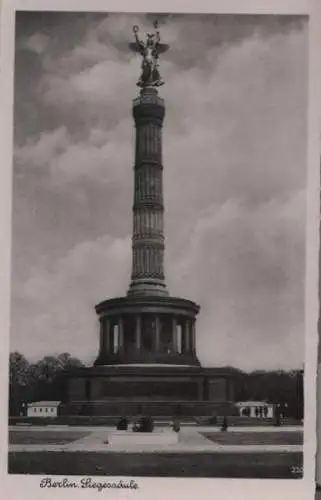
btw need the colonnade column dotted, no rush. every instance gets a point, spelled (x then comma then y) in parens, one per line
(112, 335)
(120, 334)
(187, 343)
(138, 332)
(101, 336)
(193, 341)
(157, 333)
(174, 333)
(182, 329)
(106, 333)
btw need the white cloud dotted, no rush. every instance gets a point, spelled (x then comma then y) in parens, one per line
(57, 315)
(234, 178)
(39, 153)
(37, 43)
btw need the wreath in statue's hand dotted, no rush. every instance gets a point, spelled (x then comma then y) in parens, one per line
(135, 28)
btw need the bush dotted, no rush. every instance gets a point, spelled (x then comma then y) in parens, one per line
(176, 426)
(122, 424)
(144, 424)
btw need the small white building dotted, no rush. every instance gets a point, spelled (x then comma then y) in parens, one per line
(43, 409)
(255, 409)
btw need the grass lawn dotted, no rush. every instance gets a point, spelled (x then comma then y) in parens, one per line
(228, 465)
(240, 438)
(44, 437)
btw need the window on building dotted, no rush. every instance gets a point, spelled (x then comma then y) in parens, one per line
(40, 409)
(46, 410)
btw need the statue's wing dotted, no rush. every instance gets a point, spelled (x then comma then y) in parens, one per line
(162, 47)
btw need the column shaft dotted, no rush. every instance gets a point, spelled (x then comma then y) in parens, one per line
(138, 332)
(174, 333)
(120, 334)
(193, 340)
(157, 333)
(187, 335)
(107, 347)
(148, 210)
(182, 336)
(101, 336)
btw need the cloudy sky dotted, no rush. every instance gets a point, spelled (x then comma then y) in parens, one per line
(234, 176)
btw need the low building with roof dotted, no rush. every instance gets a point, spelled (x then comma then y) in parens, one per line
(43, 409)
(255, 409)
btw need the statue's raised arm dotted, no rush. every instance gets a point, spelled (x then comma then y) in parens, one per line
(161, 47)
(150, 51)
(138, 45)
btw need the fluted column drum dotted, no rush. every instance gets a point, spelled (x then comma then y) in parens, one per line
(148, 210)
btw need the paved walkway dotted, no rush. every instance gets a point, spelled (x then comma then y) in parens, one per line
(199, 428)
(190, 441)
(168, 449)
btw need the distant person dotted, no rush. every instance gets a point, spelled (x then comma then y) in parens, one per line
(286, 410)
(23, 411)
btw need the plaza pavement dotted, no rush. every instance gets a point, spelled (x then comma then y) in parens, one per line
(190, 441)
(198, 428)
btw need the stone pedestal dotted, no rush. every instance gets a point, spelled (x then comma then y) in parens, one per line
(157, 390)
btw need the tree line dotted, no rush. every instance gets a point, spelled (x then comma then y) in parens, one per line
(37, 381)
(282, 388)
(42, 380)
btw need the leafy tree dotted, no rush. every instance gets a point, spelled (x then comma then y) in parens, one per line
(19, 381)
(37, 381)
(278, 387)
(48, 375)
(67, 361)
